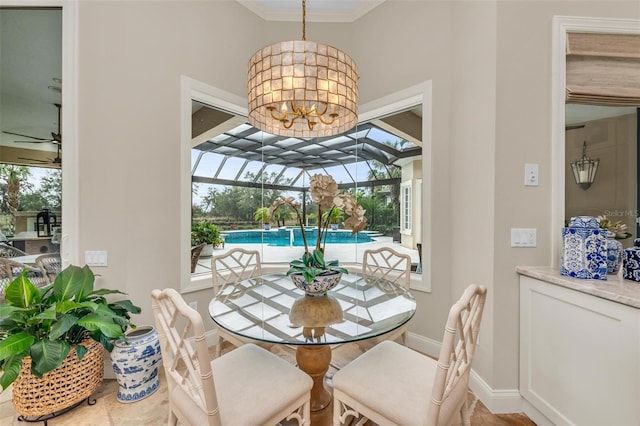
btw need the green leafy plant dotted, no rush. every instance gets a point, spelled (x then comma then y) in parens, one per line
(205, 232)
(333, 216)
(261, 215)
(313, 264)
(331, 203)
(45, 323)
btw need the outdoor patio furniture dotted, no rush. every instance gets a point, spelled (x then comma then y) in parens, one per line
(10, 251)
(50, 264)
(10, 270)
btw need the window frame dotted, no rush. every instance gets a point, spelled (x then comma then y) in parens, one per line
(193, 90)
(406, 207)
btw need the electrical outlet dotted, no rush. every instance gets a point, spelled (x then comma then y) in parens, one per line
(193, 305)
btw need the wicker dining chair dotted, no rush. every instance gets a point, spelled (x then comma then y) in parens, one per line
(394, 385)
(247, 386)
(10, 270)
(383, 266)
(50, 264)
(233, 266)
(7, 251)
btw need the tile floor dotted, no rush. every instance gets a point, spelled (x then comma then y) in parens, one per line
(108, 411)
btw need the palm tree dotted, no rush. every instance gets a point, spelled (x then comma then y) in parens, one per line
(15, 178)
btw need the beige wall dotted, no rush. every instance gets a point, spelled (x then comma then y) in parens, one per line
(490, 68)
(613, 193)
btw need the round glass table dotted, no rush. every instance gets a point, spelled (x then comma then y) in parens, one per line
(272, 309)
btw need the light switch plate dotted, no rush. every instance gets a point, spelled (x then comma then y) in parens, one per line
(95, 258)
(531, 174)
(523, 237)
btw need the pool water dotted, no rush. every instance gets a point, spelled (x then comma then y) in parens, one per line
(285, 237)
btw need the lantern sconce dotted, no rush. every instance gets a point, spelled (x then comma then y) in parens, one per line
(585, 169)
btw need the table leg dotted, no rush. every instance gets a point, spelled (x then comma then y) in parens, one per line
(314, 360)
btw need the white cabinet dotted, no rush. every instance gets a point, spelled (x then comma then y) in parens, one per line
(579, 357)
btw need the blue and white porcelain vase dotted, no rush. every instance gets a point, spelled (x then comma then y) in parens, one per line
(631, 262)
(136, 361)
(584, 249)
(614, 253)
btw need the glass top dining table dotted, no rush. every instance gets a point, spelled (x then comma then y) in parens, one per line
(272, 309)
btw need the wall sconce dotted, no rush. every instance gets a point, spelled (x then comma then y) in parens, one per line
(584, 170)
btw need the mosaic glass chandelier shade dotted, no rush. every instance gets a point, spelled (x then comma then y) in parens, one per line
(302, 89)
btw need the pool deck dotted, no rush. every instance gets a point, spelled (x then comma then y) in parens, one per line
(346, 253)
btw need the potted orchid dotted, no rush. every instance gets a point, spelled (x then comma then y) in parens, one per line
(324, 191)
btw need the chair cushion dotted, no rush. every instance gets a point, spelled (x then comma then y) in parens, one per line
(253, 384)
(390, 379)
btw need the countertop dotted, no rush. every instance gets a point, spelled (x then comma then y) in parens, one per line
(614, 288)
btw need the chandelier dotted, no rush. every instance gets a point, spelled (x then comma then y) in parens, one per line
(302, 89)
(585, 169)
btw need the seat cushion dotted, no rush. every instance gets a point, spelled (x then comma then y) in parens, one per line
(253, 384)
(389, 379)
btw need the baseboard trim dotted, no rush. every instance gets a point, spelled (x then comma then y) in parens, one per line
(535, 415)
(423, 344)
(498, 401)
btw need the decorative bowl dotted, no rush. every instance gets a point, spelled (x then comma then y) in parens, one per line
(320, 284)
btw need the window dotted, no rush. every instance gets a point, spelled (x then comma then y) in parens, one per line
(406, 207)
(193, 166)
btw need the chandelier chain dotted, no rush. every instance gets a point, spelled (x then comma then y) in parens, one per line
(304, 20)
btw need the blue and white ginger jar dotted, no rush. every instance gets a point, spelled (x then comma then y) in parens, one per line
(136, 361)
(614, 253)
(631, 262)
(584, 249)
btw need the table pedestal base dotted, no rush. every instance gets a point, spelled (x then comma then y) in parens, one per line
(314, 360)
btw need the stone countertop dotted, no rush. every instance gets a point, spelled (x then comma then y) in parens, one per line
(614, 288)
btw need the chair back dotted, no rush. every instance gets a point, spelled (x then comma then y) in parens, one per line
(389, 264)
(235, 265)
(454, 364)
(195, 255)
(10, 270)
(10, 251)
(50, 264)
(185, 355)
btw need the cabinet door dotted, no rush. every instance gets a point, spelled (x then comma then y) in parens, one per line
(579, 356)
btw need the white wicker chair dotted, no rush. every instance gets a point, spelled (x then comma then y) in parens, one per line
(247, 386)
(382, 266)
(394, 385)
(233, 266)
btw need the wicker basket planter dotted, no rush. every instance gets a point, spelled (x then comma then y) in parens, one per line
(69, 384)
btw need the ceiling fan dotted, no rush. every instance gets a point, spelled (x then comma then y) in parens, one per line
(56, 138)
(573, 127)
(57, 160)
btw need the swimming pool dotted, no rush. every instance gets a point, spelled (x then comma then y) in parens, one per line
(285, 237)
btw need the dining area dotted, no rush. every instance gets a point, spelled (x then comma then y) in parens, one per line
(258, 313)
